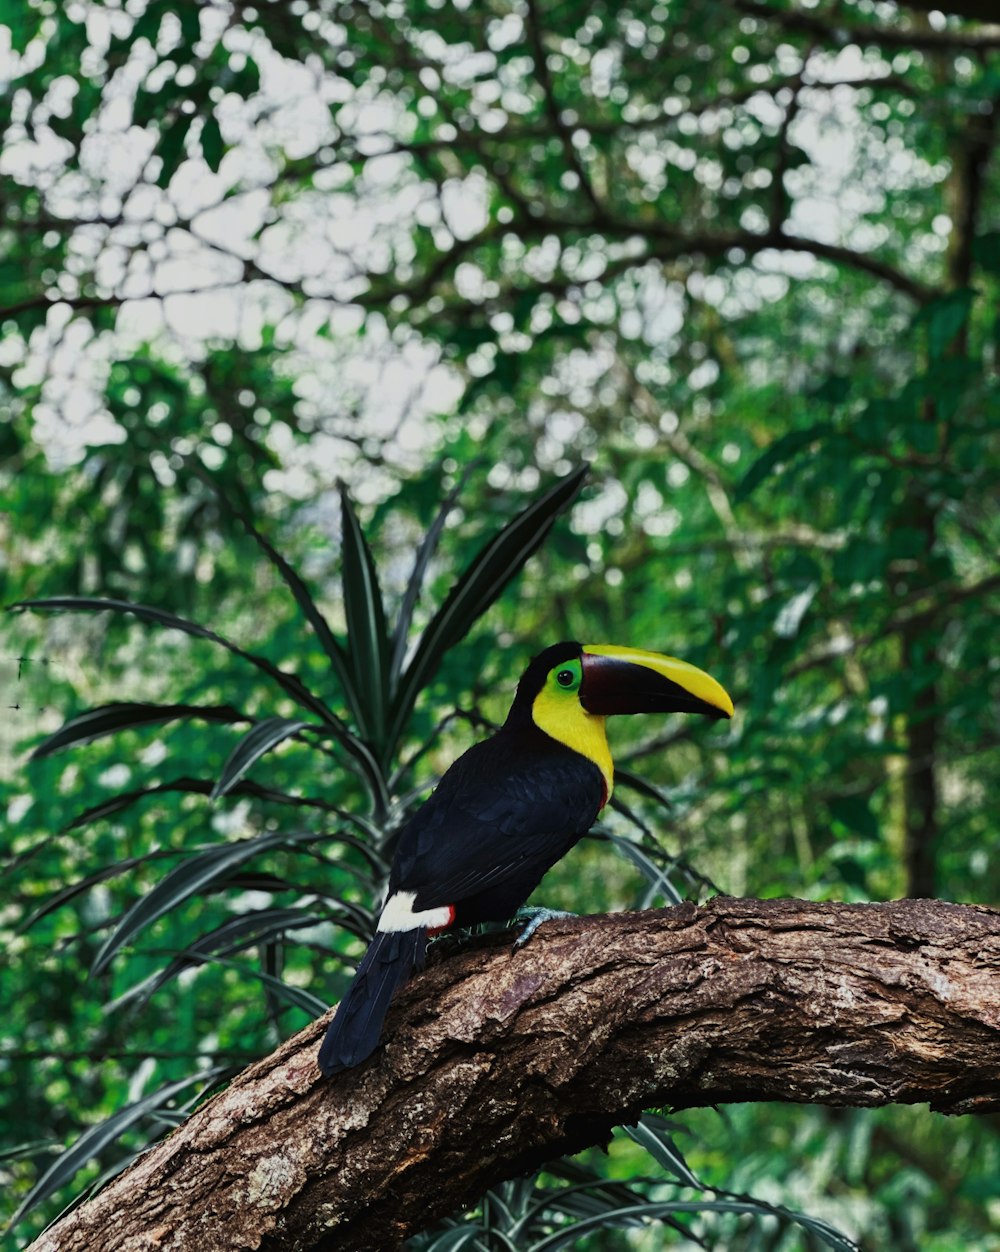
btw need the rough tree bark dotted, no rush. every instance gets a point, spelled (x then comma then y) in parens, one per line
(495, 1061)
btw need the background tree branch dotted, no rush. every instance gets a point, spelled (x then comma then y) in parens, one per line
(887, 36)
(495, 1061)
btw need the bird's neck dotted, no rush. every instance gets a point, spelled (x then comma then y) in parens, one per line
(569, 723)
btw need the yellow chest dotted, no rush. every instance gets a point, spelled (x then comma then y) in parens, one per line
(563, 718)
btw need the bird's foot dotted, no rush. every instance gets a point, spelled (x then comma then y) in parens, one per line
(448, 942)
(534, 916)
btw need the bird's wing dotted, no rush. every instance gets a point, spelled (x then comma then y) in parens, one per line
(500, 809)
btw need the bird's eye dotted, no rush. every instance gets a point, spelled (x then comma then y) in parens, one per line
(565, 678)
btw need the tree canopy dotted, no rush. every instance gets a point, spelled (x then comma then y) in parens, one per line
(312, 316)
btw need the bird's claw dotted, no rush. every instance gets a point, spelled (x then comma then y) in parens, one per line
(534, 917)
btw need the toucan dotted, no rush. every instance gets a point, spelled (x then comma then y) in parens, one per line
(505, 812)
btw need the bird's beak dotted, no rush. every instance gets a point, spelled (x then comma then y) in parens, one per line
(629, 680)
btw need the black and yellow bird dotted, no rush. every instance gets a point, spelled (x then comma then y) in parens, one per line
(506, 811)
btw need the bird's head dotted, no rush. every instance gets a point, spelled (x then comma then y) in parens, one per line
(602, 680)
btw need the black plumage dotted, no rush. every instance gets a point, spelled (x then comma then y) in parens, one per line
(354, 1032)
(505, 812)
(501, 816)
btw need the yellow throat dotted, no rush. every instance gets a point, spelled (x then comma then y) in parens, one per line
(561, 715)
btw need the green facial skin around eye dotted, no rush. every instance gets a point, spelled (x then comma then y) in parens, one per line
(567, 677)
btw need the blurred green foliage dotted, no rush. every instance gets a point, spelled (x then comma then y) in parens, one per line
(743, 259)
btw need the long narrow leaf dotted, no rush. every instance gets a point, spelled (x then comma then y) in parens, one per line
(303, 597)
(366, 628)
(482, 582)
(583, 1204)
(244, 932)
(456, 1238)
(582, 1199)
(108, 719)
(33, 1147)
(661, 1147)
(160, 1119)
(370, 769)
(267, 734)
(185, 880)
(428, 546)
(94, 1140)
(642, 786)
(300, 998)
(614, 1194)
(72, 890)
(664, 1209)
(290, 683)
(113, 870)
(233, 936)
(657, 876)
(777, 453)
(201, 786)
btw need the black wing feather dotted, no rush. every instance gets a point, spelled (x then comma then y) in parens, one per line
(506, 810)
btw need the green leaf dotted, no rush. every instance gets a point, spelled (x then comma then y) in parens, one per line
(480, 584)
(661, 1147)
(200, 786)
(428, 546)
(32, 1147)
(662, 1210)
(297, 996)
(108, 719)
(289, 683)
(777, 454)
(171, 148)
(366, 628)
(189, 878)
(456, 1238)
(588, 1199)
(303, 598)
(986, 251)
(236, 935)
(264, 736)
(23, 22)
(72, 890)
(944, 318)
(93, 1141)
(212, 145)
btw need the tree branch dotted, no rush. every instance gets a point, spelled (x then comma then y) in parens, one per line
(971, 10)
(842, 33)
(495, 1061)
(664, 243)
(552, 109)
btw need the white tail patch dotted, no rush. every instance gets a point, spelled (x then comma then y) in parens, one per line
(398, 914)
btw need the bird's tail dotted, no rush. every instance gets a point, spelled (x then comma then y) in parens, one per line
(354, 1032)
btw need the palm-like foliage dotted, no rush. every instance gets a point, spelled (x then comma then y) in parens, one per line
(568, 1201)
(376, 674)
